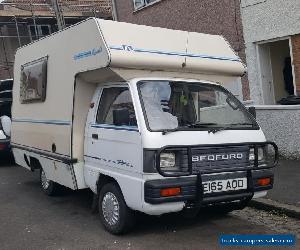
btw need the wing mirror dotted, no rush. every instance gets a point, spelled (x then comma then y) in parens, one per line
(121, 117)
(6, 125)
(252, 111)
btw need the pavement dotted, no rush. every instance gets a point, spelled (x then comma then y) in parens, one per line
(285, 195)
(31, 220)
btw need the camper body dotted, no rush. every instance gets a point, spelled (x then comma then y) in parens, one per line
(138, 115)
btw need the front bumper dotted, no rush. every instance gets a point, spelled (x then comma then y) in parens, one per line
(192, 190)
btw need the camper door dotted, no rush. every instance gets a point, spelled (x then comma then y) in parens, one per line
(113, 141)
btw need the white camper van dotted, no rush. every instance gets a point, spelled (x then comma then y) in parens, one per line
(139, 115)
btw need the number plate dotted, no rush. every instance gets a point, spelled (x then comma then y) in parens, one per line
(224, 185)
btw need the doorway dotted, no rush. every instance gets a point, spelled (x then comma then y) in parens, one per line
(275, 70)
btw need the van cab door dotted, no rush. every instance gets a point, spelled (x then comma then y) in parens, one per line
(112, 140)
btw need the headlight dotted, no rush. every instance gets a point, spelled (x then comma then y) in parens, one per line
(167, 161)
(260, 154)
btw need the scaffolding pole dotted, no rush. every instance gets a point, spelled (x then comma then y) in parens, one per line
(34, 21)
(59, 15)
(5, 55)
(17, 29)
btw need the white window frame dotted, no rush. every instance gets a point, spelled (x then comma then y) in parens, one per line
(289, 38)
(136, 7)
(143, 4)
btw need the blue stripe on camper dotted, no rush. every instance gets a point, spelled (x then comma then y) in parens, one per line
(53, 122)
(171, 53)
(108, 126)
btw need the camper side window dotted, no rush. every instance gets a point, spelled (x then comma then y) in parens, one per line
(112, 100)
(34, 81)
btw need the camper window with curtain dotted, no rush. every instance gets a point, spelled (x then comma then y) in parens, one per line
(34, 81)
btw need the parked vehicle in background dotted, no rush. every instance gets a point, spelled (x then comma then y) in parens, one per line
(5, 112)
(139, 115)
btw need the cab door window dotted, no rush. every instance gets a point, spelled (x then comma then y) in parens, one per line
(116, 107)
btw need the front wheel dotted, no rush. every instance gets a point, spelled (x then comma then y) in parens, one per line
(116, 217)
(49, 187)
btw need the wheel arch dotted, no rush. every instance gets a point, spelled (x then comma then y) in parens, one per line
(34, 163)
(103, 180)
(130, 186)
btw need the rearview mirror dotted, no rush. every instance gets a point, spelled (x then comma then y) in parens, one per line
(6, 125)
(121, 117)
(232, 103)
(252, 111)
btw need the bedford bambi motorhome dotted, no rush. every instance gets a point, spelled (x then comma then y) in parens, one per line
(141, 116)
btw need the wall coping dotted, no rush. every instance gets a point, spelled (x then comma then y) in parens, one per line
(277, 107)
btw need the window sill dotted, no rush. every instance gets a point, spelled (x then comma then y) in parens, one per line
(250, 103)
(146, 6)
(277, 107)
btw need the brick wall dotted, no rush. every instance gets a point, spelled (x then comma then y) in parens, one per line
(296, 61)
(205, 16)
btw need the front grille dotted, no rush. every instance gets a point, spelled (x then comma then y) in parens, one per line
(213, 159)
(219, 158)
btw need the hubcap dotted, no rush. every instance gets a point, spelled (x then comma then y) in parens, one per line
(44, 180)
(110, 208)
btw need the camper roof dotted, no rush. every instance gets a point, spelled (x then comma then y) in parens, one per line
(131, 46)
(139, 46)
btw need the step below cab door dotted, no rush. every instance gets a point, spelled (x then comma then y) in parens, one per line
(113, 141)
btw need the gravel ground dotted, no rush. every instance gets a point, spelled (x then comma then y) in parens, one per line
(273, 220)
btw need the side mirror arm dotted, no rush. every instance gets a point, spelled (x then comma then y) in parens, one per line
(252, 111)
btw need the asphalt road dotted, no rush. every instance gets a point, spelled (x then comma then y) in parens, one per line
(286, 183)
(31, 220)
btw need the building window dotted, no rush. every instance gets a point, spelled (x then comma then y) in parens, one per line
(34, 81)
(38, 31)
(138, 4)
(276, 72)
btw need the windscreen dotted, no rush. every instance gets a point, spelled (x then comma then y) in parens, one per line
(173, 105)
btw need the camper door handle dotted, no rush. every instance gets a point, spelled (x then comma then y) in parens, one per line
(95, 136)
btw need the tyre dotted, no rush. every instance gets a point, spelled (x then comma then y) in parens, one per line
(49, 187)
(116, 217)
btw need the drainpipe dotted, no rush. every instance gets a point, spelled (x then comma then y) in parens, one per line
(114, 10)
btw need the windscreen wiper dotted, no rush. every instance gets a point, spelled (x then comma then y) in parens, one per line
(201, 125)
(206, 125)
(231, 126)
(189, 125)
